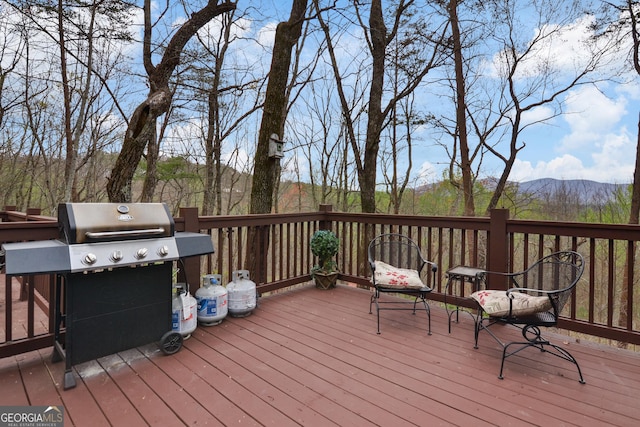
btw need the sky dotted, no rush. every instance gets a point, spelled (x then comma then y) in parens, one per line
(594, 139)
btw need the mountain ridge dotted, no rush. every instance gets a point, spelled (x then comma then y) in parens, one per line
(586, 190)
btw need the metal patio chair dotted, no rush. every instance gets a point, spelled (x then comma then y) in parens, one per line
(397, 267)
(535, 299)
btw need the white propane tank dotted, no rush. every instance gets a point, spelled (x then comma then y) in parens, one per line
(212, 300)
(184, 311)
(242, 294)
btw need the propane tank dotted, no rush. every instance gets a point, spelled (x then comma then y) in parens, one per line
(242, 294)
(184, 311)
(212, 300)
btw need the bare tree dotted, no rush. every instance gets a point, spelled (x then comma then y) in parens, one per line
(545, 89)
(461, 110)
(626, 26)
(492, 101)
(80, 31)
(377, 40)
(143, 120)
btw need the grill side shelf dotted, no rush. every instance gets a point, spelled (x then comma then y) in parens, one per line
(41, 257)
(192, 244)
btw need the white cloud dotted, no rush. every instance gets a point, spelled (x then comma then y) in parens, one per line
(554, 49)
(609, 165)
(427, 173)
(267, 34)
(564, 167)
(566, 49)
(631, 90)
(538, 114)
(591, 115)
(239, 159)
(597, 145)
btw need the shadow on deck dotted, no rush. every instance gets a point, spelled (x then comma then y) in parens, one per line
(313, 358)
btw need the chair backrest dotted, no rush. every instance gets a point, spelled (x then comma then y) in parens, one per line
(557, 273)
(397, 250)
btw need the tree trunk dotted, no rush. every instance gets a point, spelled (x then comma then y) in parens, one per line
(634, 214)
(151, 177)
(213, 143)
(144, 117)
(71, 152)
(461, 117)
(211, 140)
(374, 123)
(274, 111)
(266, 168)
(634, 218)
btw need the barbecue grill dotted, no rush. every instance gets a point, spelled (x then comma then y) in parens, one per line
(113, 264)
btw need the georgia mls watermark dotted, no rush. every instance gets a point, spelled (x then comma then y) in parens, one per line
(31, 416)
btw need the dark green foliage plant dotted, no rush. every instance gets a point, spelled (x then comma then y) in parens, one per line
(324, 245)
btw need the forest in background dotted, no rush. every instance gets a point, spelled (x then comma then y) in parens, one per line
(181, 184)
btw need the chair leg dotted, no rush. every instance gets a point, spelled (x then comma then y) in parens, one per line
(539, 343)
(428, 310)
(422, 298)
(476, 331)
(374, 299)
(378, 315)
(429, 318)
(564, 354)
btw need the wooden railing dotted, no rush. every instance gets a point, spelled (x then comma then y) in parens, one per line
(606, 302)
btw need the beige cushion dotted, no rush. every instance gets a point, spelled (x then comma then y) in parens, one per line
(496, 303)
(389, 276)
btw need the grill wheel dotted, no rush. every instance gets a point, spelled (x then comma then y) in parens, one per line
(171, 342)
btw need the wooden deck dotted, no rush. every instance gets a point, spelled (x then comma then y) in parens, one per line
(313, 358)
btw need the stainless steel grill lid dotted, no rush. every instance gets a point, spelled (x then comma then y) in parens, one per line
(99, 222)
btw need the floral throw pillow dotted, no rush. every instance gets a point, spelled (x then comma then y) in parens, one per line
(389, 276)
(496, 303)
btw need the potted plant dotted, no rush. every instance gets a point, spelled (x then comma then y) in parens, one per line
(324, 245)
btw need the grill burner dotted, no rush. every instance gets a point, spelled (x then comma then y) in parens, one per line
(101, 298)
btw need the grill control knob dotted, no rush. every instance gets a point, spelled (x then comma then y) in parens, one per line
(141, 253)
(116, 256)
(89, 259)
(163, 250)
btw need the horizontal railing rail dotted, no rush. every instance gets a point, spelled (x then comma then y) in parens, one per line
(604, 305)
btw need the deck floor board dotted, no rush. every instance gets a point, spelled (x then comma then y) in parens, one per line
(313, 358)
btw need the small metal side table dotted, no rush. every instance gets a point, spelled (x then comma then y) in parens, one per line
(456, 279)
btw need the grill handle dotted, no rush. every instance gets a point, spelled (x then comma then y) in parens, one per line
(124, 233)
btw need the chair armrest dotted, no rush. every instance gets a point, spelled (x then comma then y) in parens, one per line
(434, 266)
(538, 291)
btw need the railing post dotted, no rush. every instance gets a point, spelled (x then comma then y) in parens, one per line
(4, 216)
(31, 212)
(257, 252)
(191, 265)
(325, 224)
(498, 247)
